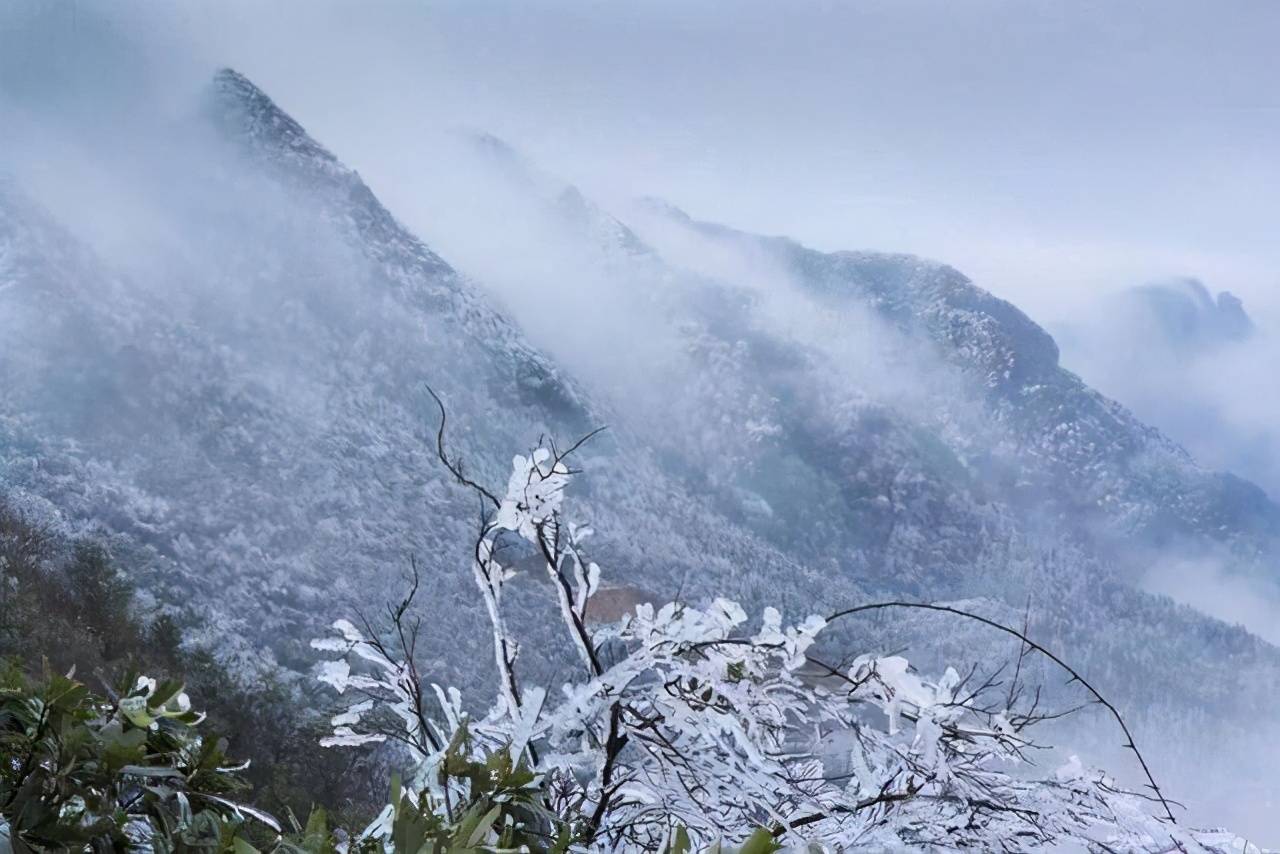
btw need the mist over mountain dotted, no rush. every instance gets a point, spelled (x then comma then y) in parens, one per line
(1200, 356)
(216, 343)
(1190, 318)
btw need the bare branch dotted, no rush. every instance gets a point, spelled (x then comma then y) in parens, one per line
(1129, 744)
(455, 466)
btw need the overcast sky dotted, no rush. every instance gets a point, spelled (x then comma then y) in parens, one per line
(1049, 149)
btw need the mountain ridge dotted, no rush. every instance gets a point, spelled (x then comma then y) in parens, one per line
(1078, 432)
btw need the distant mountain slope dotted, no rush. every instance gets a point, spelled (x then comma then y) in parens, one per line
(1192, 363)
(257, 425)
(416, 274)
(989, 406)
(1082, 451)
(1188, 317)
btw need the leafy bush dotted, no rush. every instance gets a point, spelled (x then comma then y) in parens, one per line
(87, 773)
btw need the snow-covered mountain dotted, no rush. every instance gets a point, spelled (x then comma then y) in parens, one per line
(1075, 450)
(263, 435)
(1193, 363)
(1187, 318)
(1001, 429)
(245, 416)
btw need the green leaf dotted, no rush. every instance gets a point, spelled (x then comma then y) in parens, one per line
(136, 712)
(760, 842)
(482, 829)
(317, 825)
(163, 693)
(680, 841)
(151, 771)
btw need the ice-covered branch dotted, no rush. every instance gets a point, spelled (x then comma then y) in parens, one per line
(707, 725)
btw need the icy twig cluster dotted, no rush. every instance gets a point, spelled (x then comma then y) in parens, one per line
(699, 723)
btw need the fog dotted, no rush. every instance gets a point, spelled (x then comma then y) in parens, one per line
(1039, 147)
(1049, 151)
(1059, 156)
(1206, 386)
(1166, 351)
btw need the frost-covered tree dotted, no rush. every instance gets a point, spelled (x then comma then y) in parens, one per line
(695, 725)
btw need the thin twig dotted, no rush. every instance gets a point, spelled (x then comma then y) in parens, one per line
(1075, 676)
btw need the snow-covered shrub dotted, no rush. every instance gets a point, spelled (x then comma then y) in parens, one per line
(696, 725)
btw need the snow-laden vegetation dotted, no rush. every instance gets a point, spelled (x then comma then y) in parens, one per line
(697, 726)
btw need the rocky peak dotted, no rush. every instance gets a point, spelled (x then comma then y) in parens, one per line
(1189, 318)
(246, 113)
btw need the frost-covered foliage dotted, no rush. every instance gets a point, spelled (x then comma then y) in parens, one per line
(703, 724)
